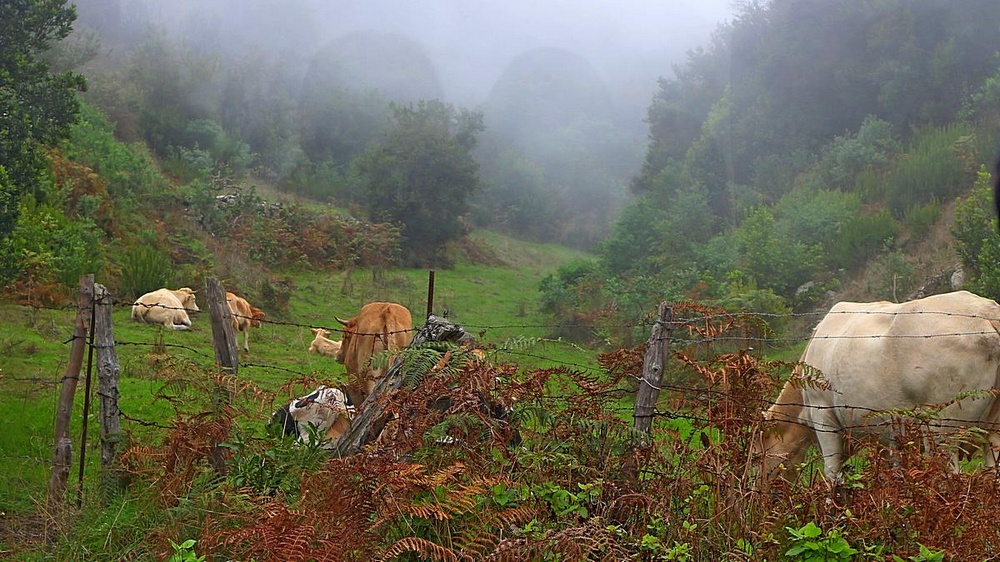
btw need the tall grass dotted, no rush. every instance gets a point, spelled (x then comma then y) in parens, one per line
(937, 165)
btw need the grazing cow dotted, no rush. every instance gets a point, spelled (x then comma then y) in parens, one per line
(378, 327)
(166, 307)
(941, 350)
(244, 317)
(323, 345)
(328, 410)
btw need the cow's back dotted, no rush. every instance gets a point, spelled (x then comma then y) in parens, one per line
(881, 356)
(378, 327)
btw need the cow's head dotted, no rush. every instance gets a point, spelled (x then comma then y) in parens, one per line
(780, 447)
(256, 317)
(186, 296)
(350, 326)
(320, 409)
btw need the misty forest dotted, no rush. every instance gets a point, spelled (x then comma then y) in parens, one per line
(750, 162)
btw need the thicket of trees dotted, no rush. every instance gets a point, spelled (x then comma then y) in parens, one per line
(807, 140)
(36, 109)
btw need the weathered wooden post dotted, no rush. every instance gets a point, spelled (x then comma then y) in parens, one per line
(369, 422)
(226, 354)
(108, 372)
(430, 293)
(653, 364)
(226, 346)
(63, 454)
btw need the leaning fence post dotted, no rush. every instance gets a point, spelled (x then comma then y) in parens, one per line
(108, 372)
(653, 364)
(63, 454)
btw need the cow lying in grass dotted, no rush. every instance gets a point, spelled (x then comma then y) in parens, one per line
(244, 317)
(324, 414)
(166, 307)
(322, 344)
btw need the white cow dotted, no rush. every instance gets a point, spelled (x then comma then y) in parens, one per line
(327, 410)
(167, 307)
(941, 350)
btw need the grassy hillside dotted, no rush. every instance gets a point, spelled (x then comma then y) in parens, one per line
(495, 302)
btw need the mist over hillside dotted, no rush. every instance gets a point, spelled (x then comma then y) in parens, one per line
(470, 44)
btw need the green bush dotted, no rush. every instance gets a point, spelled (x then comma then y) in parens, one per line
(976, 239)
(144, 268)
(920, 218)
(860, 238)
(934, 168)
(133, 178)
(52, 248)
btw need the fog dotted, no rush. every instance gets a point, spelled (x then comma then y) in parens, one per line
(470, 42)
(630, 43)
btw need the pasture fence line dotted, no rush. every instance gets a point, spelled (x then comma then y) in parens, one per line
(95, 305)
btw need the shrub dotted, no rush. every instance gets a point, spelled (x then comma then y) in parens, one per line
(976, 238)
(144, 268)
(934, 167)
(920, 218)
(859, 238)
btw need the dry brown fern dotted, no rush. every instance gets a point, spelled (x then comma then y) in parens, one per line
(425, 548)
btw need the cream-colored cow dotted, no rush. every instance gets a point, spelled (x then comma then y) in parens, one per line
(881, 356)
(166, 307)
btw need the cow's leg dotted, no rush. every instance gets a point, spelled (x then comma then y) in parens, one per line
(246, 340)
(831, 443)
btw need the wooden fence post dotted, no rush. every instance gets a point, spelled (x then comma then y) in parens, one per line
(226, 355)
(226, 346)
(430, 293)
(63, 455)
(367, 425)
(108, 372)
(653, 364)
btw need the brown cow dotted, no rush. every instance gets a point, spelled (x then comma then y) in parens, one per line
(378, 327)
(244, 317)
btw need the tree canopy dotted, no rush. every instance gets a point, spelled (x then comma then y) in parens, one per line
(421, 176)
(36, 107)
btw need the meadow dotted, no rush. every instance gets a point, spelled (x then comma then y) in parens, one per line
(496, 303)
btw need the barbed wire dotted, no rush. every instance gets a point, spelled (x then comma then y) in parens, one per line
(870, 414)
(673, 324)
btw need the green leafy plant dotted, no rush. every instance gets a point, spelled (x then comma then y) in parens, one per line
(184, 552)
(925, 555)
(810, 545)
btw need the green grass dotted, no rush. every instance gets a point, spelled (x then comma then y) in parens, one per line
(495, 303)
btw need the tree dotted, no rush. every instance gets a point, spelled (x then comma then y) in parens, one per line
(422, 176)
(37, 107)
